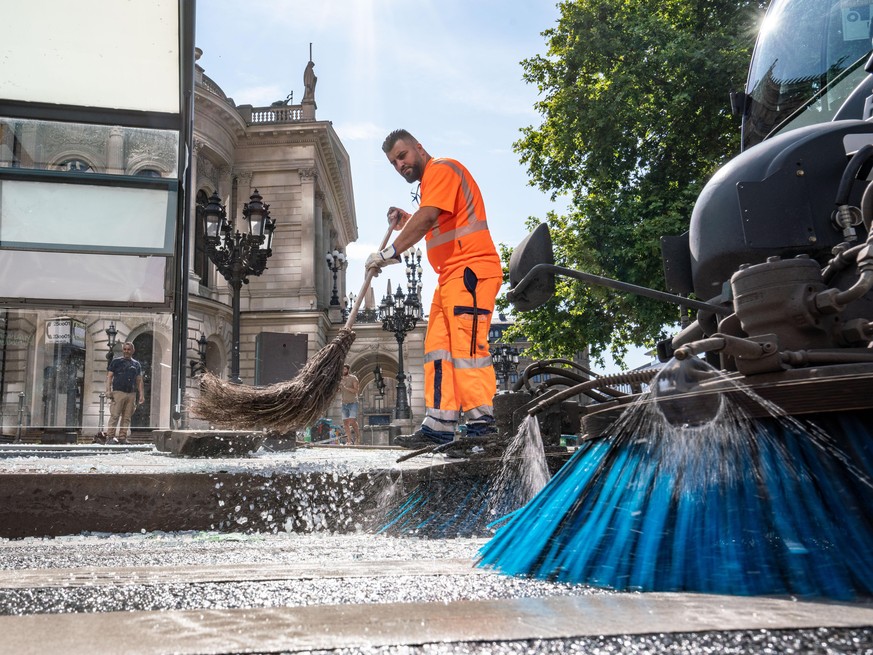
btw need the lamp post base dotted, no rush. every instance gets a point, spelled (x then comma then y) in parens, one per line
(335, 314)
(401, 405)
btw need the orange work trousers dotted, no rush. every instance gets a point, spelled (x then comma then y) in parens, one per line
(458, 373)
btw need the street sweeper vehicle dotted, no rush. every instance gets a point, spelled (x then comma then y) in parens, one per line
(747, 464)
(777, 263)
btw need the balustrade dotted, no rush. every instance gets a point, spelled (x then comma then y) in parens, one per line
(285, 114)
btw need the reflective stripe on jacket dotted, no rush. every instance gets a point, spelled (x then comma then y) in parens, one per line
(461, 237)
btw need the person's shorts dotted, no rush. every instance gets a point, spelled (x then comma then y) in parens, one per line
(350, 410)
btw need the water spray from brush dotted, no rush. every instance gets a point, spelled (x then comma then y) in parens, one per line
(680, 393)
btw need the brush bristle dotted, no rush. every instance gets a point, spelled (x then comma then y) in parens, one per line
(784, 510)
(281, 407)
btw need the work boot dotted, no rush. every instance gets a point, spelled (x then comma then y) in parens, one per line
(420, 439)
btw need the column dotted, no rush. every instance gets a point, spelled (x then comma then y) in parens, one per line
(323, 277)
(193, 280)
(236, 200)
(310, 236)
(224, 182)
(7, 142)
(115, 151)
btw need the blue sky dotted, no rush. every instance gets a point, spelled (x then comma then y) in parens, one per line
(447, 70)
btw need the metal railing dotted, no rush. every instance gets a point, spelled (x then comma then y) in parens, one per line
(279, 114)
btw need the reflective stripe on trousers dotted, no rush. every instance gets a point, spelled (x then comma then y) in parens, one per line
(453, 379)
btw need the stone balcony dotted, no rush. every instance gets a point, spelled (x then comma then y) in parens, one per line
(277, 113)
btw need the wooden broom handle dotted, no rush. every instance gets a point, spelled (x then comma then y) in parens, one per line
(364, 287)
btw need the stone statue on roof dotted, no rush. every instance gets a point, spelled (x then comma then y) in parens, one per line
(309, 81)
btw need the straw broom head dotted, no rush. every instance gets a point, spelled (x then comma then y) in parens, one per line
(281, 407)
(284, 406)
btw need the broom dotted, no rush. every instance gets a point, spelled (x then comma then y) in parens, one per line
(735, 506)
(284, 406)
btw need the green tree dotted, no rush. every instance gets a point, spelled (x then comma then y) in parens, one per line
(635, 101)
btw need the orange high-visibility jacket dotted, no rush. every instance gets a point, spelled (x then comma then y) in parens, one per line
(461, 237)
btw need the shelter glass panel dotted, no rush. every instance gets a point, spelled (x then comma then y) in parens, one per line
(87, 148)
(51, 216)
(53, 372)
(63, 276)
(58, 65)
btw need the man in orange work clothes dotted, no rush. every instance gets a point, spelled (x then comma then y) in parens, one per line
(451, 216)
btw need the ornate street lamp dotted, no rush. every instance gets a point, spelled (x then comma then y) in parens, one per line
(336, 261)
(400, 314)
(198, 365)
(505, 359)
(365, 314)
(379, 381)
(237, 255)
(111, 335)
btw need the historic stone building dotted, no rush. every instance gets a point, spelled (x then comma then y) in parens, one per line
(300, 167)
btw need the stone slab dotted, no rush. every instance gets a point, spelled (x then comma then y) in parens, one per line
(137, 490)
(294, 629)
(208, 443)
(260, 572)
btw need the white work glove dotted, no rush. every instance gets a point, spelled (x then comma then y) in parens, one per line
(377, 260)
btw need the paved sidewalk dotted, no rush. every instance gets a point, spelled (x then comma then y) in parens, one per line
(213, 593)
(277, 557)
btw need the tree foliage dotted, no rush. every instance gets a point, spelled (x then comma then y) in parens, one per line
(635, 101)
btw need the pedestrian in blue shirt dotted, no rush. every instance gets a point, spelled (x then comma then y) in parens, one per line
(125, 390)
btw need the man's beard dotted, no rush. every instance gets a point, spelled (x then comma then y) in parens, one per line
(414, 173)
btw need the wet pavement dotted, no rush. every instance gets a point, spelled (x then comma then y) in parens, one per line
(318, 590)
(125, 489)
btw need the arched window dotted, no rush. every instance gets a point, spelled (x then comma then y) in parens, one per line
(75, 166)
(201, 259)
(149, 172)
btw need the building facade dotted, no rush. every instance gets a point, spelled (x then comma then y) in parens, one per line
(53, 360)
